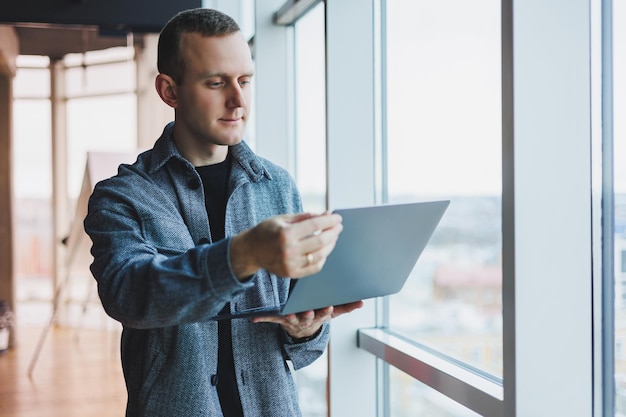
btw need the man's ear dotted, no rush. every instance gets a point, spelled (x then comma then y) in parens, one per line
(166, 87)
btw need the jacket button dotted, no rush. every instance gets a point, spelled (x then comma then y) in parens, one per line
(214, 379)
(204, 241)
(193, 183)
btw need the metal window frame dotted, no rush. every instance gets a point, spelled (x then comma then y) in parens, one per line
(475, 390)
(531, 370)
(533, 71)
(604, 203)
(293, 10)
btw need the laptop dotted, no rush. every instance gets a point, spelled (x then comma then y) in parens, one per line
(373, 257)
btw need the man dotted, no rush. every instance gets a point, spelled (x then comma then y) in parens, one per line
(200, 224)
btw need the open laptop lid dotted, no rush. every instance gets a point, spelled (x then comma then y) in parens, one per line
(374, 255)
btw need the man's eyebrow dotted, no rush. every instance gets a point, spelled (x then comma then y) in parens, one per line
(224, 75)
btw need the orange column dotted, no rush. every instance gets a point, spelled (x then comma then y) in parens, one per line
(8, 53)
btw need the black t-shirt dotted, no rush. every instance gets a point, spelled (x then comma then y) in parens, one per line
(215, 182)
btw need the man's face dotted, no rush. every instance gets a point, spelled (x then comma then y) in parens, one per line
(213, 101)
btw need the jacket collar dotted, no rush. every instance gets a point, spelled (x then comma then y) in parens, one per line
(165, 150)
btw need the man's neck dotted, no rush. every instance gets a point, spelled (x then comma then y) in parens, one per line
(207, 154)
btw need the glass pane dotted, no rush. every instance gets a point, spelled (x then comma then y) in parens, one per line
(32, 61)
(311, 109)
(101, 79)
(444, 142)
(311, 168)
(619, 132)
(32, 83)
(107, 123)
(32, 146)
(32, 158)
(410, 398)
(95, 123)
(118, 53)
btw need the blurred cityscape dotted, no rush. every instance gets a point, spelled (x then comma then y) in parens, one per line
(620, 305)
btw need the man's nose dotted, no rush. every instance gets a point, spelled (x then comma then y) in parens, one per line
(236, 96)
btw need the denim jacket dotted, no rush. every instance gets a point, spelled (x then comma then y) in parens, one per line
(160, 274)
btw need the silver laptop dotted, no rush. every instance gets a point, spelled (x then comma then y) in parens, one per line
(374, 255)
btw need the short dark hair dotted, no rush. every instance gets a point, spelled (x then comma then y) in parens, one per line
(207, 22)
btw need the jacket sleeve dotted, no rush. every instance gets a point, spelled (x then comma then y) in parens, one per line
(304, 353)
(144, 285)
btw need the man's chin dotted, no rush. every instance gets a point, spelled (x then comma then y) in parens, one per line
(232, 142)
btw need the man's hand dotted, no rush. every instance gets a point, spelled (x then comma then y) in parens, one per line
(292, 245)
(306, 324)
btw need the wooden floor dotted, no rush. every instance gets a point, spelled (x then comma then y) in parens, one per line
(73, 376)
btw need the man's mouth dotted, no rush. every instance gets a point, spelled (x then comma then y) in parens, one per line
(230, 119)
(231, 122)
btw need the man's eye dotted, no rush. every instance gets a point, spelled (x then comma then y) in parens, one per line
(215, 84)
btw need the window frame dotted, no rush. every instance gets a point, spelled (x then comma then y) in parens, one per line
(523, 392)
(539, 75)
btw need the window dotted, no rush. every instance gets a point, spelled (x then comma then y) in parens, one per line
(33, 188)
(444, 142)
(310, 166)
(619, 196)
(311, 109)
(412, 398)
(537, 102)
(98, 90)
(546, 213)
(31, 88)
(100, 83)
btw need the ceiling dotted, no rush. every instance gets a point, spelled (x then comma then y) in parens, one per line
(55, 28)
(56, 41)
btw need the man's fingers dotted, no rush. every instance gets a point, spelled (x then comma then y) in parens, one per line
(314, 225)
(308, 322)
(296, 217)
(346, 308)
(318, 236)
(290, 245)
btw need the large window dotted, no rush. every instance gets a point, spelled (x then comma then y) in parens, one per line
(102, 117)
(444, 142)
(310, 167)
(311, 109)
(97, 90)
(101, 107)
(619, 175)
(33, 188)
(410, 397)
(488, 105)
